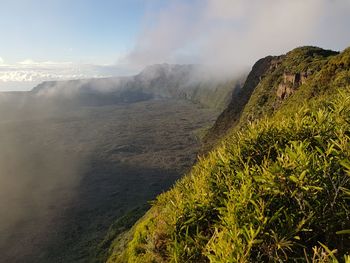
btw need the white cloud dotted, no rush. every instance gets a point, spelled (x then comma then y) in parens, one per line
(226, 34)
(31, 71)
(1, 60)
(27, 62)
(229, 34)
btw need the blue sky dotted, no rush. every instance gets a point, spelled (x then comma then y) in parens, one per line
(68, 30)
(70, 39)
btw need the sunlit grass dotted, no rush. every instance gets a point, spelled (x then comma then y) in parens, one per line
(276, 190)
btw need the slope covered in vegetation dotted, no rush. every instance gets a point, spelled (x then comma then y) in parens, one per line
(277, 188)
(272, 79)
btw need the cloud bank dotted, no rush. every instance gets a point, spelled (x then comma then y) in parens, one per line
(26, 74)
(228, 36)
(231, 34)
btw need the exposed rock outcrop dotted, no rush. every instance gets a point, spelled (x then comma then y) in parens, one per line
(291, 82)
(272, 79)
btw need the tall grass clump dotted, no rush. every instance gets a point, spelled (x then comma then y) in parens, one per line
(278, 190)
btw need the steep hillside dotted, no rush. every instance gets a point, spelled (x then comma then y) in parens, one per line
(230, 116)
(277, 188)
(274, 79)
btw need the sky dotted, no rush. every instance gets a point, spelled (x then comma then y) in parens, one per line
(72, 39)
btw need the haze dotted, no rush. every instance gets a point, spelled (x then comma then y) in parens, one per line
(61, 39)
(107, 101)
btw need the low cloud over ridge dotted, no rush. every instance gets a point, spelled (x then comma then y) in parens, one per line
(226, 35)
(229, 34)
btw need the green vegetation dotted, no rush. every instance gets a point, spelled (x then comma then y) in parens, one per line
(305, 59)
(276, 189)
(116, 229)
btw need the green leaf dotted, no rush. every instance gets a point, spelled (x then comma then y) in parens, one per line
(302, 176)
(258, 241)
(315, 187)
(345, 163)
(343, 232)
(294, 179)
(331, 253)
(319, 150)
(345, 190)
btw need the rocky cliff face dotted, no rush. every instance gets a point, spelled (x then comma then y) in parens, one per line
(230, 116)
(291, 82)
(272, 80)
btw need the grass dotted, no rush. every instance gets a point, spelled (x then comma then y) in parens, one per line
(277, 189)
(275, 193)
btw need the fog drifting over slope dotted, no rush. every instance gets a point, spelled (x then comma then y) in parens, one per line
(228, 35)
(76, 155)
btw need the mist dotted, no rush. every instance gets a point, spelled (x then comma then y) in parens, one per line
(38, 172)
(76, 151)
(228, 36)
(77, 155)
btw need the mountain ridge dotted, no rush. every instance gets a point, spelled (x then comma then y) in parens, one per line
(275, 186)
(283, 70)
(155, 81)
